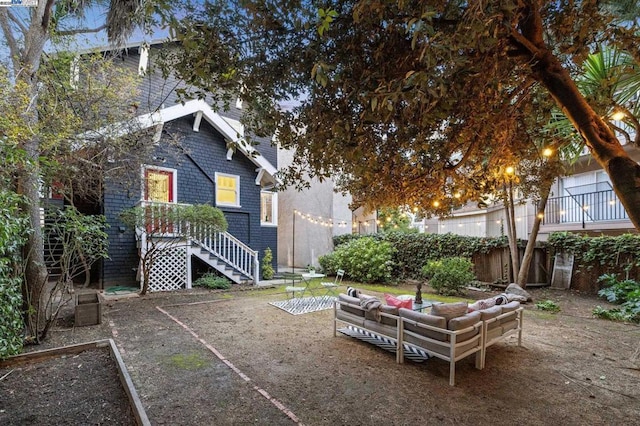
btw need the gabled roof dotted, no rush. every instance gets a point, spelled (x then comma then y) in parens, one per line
(218, 122)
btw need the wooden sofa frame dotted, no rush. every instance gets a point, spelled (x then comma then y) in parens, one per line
(451, 348)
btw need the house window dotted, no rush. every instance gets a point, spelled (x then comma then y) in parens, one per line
(159, 185)
(227, 190)
(268, 208)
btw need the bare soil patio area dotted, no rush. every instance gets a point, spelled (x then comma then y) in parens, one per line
(207, 358)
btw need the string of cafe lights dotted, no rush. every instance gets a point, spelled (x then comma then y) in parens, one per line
(319, 220)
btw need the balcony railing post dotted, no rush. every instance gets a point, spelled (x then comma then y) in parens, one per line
(582, 207)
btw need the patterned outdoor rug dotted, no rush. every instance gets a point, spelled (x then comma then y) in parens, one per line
(305, 305)
(415, 355)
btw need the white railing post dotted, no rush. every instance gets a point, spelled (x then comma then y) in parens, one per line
(189, 277)
(256, 271)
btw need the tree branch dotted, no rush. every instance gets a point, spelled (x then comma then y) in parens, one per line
(626, 135)
(14, 48)
(636, 124)
(46, 16)
(16, 21)
(526, 44)
(81, 31)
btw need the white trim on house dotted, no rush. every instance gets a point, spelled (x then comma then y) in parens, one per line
(274, 209)
(143, 63)
(260, 175)
(196, 121)
(175, 112)
(217, 121)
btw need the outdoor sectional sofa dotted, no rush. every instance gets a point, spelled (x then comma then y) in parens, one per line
(448, 337)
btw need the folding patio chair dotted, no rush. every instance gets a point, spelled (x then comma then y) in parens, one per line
(331, 287)
(301, 288)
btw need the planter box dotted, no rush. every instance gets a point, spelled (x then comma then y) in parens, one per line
(88, 310)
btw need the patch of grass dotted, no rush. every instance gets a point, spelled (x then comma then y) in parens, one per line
(545, 315)
(191, 361)
(397, 291)
(548, 306)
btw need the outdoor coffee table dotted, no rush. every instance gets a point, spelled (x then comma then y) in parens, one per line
(420, 307)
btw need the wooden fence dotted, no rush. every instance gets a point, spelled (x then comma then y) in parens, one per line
(495, 266)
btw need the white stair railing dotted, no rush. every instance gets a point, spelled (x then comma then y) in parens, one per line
(229, 249)
(221, 245)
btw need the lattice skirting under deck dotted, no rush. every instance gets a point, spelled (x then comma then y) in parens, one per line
(169, 272)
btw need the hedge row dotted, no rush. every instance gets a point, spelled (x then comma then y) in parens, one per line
(412, 251)
(594, 256)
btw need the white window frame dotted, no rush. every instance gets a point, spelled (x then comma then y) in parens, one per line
(174, 180)
(237, 179)
(274, 209)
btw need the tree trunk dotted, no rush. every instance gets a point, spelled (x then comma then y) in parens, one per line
(35, 271)
(523, 275)
(511, 231)
(26, 63)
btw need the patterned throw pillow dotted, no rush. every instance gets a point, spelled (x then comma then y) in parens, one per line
(398, 303)
(353, 292)
(449, 310)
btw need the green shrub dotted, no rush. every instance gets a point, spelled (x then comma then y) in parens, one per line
(13, 233)
(617, 291)
(11, 324)
(330, 263)
(344, 238)
(364, 259)
(548, 305)
(612, 314)
(213, 281)
(450, 275)
(626, 293)
(267, 267)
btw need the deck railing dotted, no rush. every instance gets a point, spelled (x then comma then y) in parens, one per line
(584, 208)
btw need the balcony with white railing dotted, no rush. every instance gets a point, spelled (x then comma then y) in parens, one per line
(585, 210)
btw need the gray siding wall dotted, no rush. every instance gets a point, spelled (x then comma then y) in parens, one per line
(203, 154)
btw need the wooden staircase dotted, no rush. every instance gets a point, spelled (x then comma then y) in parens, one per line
(227, 255)
(219, 250)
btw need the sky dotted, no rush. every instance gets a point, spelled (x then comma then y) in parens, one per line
(94, 17)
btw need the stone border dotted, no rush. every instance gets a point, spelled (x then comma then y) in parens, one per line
(134, 401)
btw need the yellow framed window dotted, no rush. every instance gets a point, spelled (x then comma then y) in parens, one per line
(227, 190)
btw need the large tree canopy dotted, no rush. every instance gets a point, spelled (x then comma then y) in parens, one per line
(420, 103)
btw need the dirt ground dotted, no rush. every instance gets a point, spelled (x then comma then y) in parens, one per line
(206, 358)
